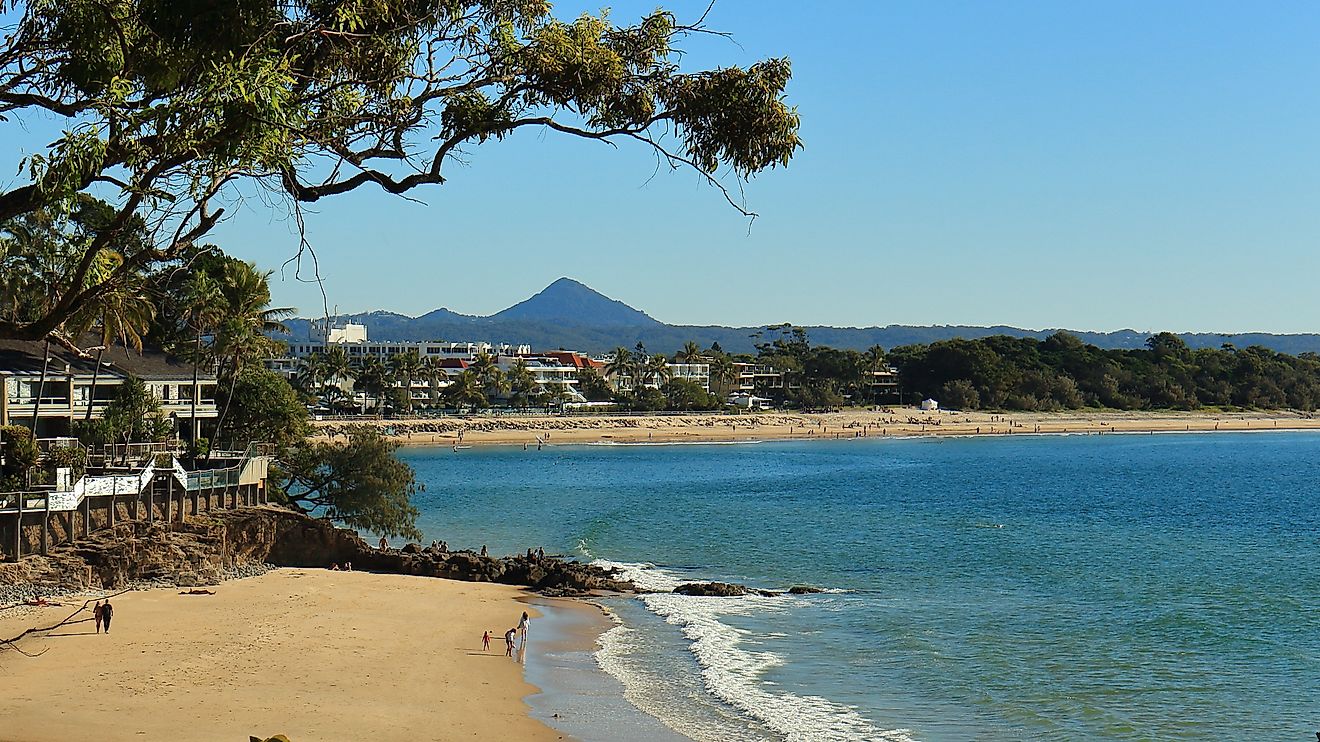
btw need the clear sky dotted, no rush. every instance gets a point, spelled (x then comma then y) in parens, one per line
(1091, 165)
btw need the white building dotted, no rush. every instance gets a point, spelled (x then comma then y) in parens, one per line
(551, 370)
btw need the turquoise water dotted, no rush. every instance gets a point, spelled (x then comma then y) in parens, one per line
(1114, 587)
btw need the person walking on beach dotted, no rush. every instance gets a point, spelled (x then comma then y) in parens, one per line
(508, 642)
(99, 615)
(485, 641)
(522, 627)
(107, 611)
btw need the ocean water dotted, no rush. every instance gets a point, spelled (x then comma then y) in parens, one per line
(1134, 587)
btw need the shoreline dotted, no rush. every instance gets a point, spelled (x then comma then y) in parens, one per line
(578, 697)
(533, 432)
(309, 653)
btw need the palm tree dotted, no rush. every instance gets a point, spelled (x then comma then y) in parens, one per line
(337, 367)
(654, 369)
(433, 371)
(311, 373)
(465, 391)
(488, 373)
(557, 393)
(691, 353)
(121, 314)
(372, 378)
(723, 374)
(203, 303)
(875, 358)
(405, 367)
(620, 365)
(522, 384)
(247, 319)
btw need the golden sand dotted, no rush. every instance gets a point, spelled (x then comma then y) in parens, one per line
(311, 654)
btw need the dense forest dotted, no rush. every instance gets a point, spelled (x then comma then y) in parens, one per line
(1060, 372)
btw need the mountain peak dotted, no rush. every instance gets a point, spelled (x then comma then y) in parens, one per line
(574, 304)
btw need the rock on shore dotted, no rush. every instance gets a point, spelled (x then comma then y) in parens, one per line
(208, 549)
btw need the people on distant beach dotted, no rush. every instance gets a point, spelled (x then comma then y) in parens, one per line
(384, 544)
(334, 566)
(483, 550)
(508, 641)
(99, 614)
(107, 612)
(485, 641)
(522, 627)
(348, 566)
(540, 552)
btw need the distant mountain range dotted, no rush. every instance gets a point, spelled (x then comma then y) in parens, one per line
(568, 314)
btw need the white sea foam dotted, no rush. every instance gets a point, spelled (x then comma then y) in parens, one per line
(733, 672)
(642, 574)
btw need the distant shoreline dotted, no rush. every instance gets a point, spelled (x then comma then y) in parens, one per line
(896, 422)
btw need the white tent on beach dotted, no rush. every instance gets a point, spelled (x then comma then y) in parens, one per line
(930, 405)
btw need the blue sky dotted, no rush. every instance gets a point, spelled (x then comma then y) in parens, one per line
(1086, 165)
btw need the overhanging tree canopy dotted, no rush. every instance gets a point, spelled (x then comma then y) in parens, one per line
(167, 105)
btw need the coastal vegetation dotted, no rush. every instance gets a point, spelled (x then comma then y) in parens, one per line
(214, 311)
(171, 113)
(1061, 372)
(358, 482)
(1057, 373)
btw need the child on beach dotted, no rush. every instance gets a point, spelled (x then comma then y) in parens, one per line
(485, 641)
(522, 626)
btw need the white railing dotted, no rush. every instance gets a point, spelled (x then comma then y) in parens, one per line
(127, 484)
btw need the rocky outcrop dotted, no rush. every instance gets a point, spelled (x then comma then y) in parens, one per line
(721, 590)
(206, 549)
(804, 590)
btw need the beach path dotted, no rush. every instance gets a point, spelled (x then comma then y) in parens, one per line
(311, 654)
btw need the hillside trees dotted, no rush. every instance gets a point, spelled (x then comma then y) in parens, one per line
(170, 111)
(1060, 372)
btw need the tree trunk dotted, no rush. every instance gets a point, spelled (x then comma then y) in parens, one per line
(196, 390)
(96, 374)
(41, 389)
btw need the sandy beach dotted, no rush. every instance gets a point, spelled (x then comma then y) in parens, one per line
(534, 430)
(311, 654)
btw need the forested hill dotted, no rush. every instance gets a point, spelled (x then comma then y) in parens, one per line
(568, 314)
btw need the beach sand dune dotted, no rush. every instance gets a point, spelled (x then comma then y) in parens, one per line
(311, 654)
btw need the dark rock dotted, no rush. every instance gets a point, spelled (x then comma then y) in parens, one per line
(711, 589)
(242, 542)
(804, 590)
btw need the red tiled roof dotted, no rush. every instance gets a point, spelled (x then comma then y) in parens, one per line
(572, 358)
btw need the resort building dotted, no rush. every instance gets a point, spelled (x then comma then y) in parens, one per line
(884, 383)
(552, 370)
(352, 338)
(697, 373)
(74, 389)
(753, 377)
